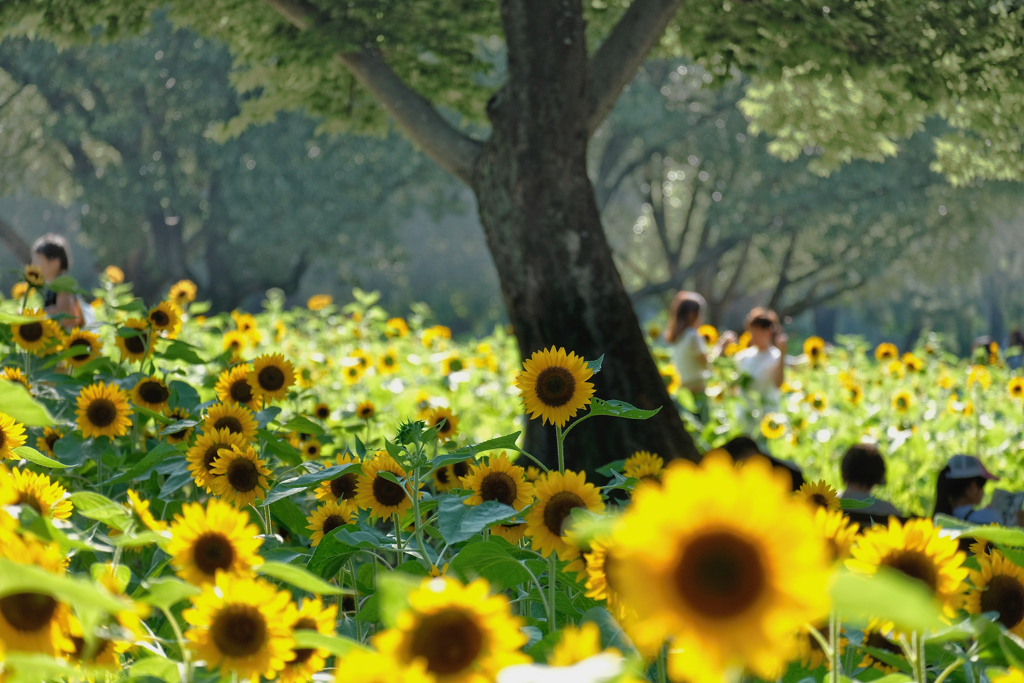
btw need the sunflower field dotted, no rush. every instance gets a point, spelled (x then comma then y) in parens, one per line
(333, 493)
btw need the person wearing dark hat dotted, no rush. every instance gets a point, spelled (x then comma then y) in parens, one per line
(960, 488)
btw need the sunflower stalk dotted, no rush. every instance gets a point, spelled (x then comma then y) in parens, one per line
(186, 668)
(832, 651)
(552, 571)
(560, 440)
(417, 520)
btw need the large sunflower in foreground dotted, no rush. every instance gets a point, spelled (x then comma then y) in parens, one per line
(32, 336)
(211, 539)
(464, 634)
(103, 410)
(327, 518)
(206, 450)
(165, 319)
(29, 621)
(235, 418)
(381, 497)
(722, 562)
(12, 435)
(44, 496)
(599, 578)
(239, 475)
(819, 494)
(233, 387)
(151, 393)
(557, 496)
(136, 347)
(88, 347)
(917, 550)
(554, 385)
(367, 666)
(498, 479)
(341, 487)
(644, 466)
(998, 587)
(242, 625)
(270, 377)
(304, 662)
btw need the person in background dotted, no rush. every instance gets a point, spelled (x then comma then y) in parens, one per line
(690, 354)
(764, 361)
(960, 489)
(1016, 343)
(863, 468)
(52, 256)
(741, 448)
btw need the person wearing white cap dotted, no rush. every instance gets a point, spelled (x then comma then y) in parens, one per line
(960, 488)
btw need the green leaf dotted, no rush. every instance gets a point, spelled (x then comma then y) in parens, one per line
(595, 365)
(459, 522)
(997, 534)
(15, 319)
(620, 409)
(156, 667)
(164, 593)
(23, 578)
(336, 645)
(854, 504)
(102, 509)
(888, 595)
(325, 474)
(491, 560)
(20, 405)
(507, 442)
(151, 459)
(893, 678)
(32, 455)
(393, 589)
(613, 466)
(686, 400)
(179, 350)
(389, 476)
(159, 417)
(339, 545)
(303, 425)
(280, 447)
(122, 574)
(34, 667)
(288, 513)
(298, 577)
(64, 284)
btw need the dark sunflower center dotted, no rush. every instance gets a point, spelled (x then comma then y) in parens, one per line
(80, 652)
(3, 438)
(1005, 595)
(388, 360)
(442, 475)
(135, 345)
(450, 641)
(500, 487)
(322, 412)
(344, 487)
(332, 522)
(555, 386)
(101, 412)
(240, 391)
(819, 500)
(460, 469)
(52, 439)
(877, 640)
(239, 630)
(302, 655)
(901, 402)
(28, 612)
(720, 575)
(243, 475)
(31, 332)
(30, 499)
(271, 378)
(365, 411)
(211, 454)
(455, 366)
(229, 422)
(153, 392)
(387, 493)
(443, 425)
(914, 564)
(159, 318)
(213, 551)
(558, 508)
(312, 449)
(84, 350)
(234, 344)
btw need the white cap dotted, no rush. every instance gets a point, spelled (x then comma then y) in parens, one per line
(967, 467)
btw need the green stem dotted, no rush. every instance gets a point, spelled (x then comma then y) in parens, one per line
(559, 439)
(539, 464)
(552, 571)
(662, 663)
(835, 633)
(949, 669)
(186, 670)
(417, 518)
(398, 536)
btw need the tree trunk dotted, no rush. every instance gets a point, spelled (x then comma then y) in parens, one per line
(540, 216)
(15, 244)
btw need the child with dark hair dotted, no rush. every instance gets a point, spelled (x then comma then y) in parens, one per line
(764, 361)
(863, 469)
(690, 353)
(52, 256)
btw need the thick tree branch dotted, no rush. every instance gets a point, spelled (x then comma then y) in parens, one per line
(414, 114)
(13, 241)
(679, 277)
(614, 63)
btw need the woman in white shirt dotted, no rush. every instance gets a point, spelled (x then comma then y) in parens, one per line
(764, 361)
(690, 354)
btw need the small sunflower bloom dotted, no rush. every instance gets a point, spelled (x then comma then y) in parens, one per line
(554, 385)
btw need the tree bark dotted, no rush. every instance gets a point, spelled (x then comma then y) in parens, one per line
(542, 224)
(13, 241)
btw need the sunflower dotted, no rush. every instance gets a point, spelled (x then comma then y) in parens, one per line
(351, 373)
(233, 386)
(32, 336)
(644, 466)
(599, 576)
(242, 625)
(383, 498)
(725, 563)
(47, 498)
(444, 481)
(214, 539)
(946, 381)
(464, 634)
(554, 385)
(671, 378)
(151, 393)
(304, 662)
(342, 487)
(372, 667)
(271, 376)
(886, 351)
(12, 374)
(435, 333)
(558, 495)
(19, 289)
(103, 410)
(576, 644)
(980, 376)
(235, 342)
(114, 275)
(182, 292)
(140, 508)
(235, 418)
(513, 533)
(854, 394)
(837, 530)
(452, 363)
(396, 327)
(998, 587)
(311, 449)
(532, 473)
(29, 621)
(809, 652)
(1016, 388)
(450, 427)
(45, 443)
(101, 652)
(365, 410)
(34, 276)
(499, 480)
(319, 302)
(818, 400)
(89, 347)
(1012, 675)
(387, 363)
(138, 346)
(327, 518)
(773, 426)
(709, 333)
(177, 415)
(917, 550)
(165, 319)
(204, 452)
(12, 435)
(875, 639)
(239, 475)
(321, 411)
(902, 401)
(814, 349)
(912, 362)
(819, 495)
